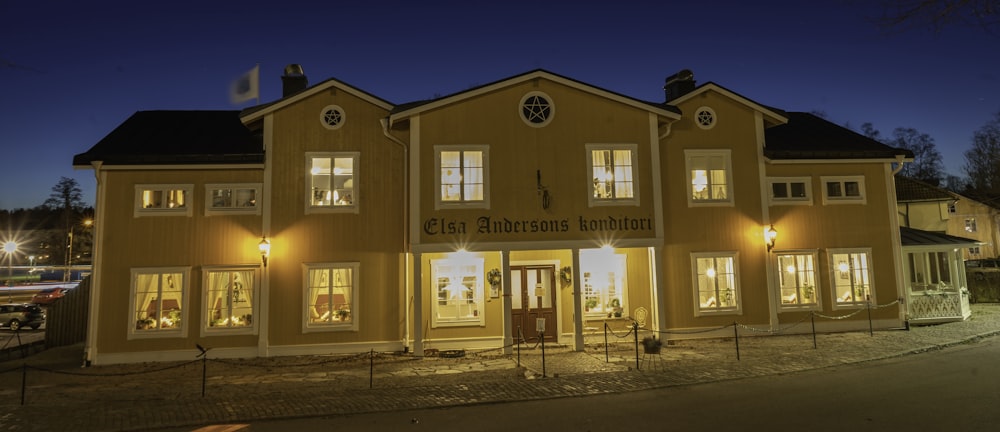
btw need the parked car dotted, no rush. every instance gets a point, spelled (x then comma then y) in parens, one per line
(988, 264)
(16, 316)
(48, 295)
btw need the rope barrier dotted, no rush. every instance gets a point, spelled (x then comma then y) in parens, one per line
(98, 374)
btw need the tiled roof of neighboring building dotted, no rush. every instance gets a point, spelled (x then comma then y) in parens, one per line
(915, 237)
(177, 137)
(911, 190)
(807, 136)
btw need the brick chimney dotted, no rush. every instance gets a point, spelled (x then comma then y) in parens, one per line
(293, 81)
(679, 84)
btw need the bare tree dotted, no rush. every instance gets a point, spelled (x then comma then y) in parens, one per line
(982, 161)
(938, 14)
(928, 164)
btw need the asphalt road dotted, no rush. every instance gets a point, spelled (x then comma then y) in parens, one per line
(957, 389)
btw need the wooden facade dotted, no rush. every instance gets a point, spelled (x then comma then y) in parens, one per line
(465, 219)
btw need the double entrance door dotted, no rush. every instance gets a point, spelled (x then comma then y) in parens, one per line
(533, 296)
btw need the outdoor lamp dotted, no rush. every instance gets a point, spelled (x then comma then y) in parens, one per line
(769, 236)
(265, 249)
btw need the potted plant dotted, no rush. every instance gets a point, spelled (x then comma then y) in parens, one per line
(591, 303)
(651, 345)
(616, 308)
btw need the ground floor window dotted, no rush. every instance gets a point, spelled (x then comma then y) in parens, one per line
(158, 301)
(716, 282)
(929, 271)
(603, 283)
(230, 297)
(331, 296)
(797, 279)
(851, 271)
(458, 285)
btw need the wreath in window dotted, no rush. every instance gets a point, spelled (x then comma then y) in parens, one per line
(566, 274)
(493, 277)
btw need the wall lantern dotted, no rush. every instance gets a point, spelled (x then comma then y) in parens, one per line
(265, 249)
(770, 234)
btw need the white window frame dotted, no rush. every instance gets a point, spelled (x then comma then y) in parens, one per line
(206, 320)
(633, 174)
(469, 204)
(354, 301)
(187, 210)
(354, 206)
(701, 310)
(478, 294)
(837, 274)
(212, 210)
(970, 225)
(788, 182)
(597, 262)
(689, 167)
(829, 200)
(793, 301)
(158, 332)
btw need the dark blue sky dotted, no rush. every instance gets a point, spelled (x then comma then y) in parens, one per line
(71, 74)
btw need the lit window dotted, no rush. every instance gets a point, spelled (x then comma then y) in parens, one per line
(163, 200)
(331, 296)
(709, 177)
(797, 279)
(462, 176)
(158, 301)
(458, 282)
(613, 170)
(851, 278)
(330, 182)
(230, 296)
(716, 283)
(970, 225)
(603, 283)
(790, 190)
(232, 199)
(929, 271)
(843, 190)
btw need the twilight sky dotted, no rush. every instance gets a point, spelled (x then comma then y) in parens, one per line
(70, 74)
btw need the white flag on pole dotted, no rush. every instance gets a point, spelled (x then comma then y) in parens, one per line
(246, 87)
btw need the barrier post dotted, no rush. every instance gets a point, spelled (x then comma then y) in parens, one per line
(635, 330)
(371, 368)
(607, 358)
(24, 380)
(871, 331)
(541, 337)
(519, 337)
(736, 333)
(812, 317)
(204, 373)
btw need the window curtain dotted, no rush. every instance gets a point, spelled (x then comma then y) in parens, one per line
(623, 174)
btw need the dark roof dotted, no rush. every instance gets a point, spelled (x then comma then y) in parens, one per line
(807, 136)
(169, 137)
(410, 105)
(911, 190)
(915, 237)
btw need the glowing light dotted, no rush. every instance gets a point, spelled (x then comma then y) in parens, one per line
(710, 273)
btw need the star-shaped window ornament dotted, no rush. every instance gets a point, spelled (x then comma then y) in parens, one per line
(332, 117)
(536, 109)
(705, 117)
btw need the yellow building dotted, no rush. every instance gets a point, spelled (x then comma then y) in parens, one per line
(333, 221)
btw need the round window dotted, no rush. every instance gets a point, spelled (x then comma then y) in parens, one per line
(704, 117)
(537, 109)
(332, 117)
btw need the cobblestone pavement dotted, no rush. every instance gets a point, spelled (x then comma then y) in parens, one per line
(59, 394)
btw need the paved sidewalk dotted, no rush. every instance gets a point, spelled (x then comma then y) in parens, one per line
(61, 395)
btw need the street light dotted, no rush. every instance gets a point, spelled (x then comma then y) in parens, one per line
(9, 248)
(69, 248)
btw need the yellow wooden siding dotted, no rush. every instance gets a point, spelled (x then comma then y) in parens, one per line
(518, 153)
(372, 237)
(128, 242)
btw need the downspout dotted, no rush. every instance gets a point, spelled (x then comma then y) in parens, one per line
(406, 226)
(899, 164)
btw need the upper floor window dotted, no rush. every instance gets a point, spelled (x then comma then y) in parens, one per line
(330, 182)
(163, 199)
(970, 225)
(797, 279)
(159, 301)
(331, 296)
(232, 199)
(852, 279)
(952, 208)
(613, 170)
(458, 281)
(537, 109)
(843, 190)
(230, 296)
(709, 177)
(716, 282)
(790, 190)
(462, 176)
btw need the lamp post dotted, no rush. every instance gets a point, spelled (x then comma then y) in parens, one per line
(9, 248)
(69, 248)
